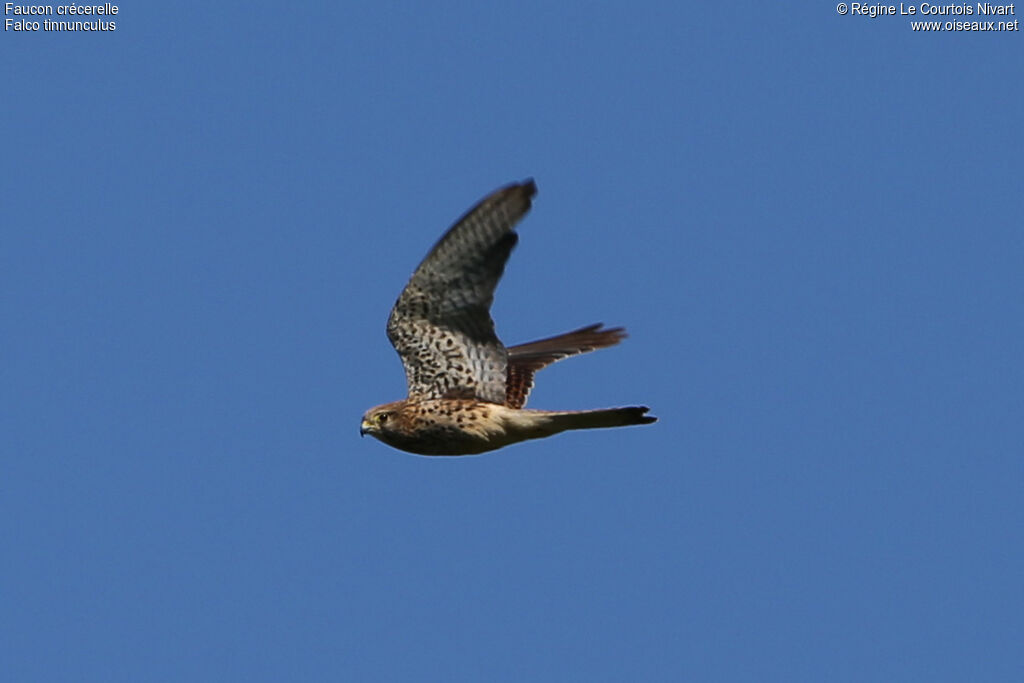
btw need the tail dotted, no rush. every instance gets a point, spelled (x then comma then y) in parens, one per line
(599, 419)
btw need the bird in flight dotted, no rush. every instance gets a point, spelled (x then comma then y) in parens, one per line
(466, 389)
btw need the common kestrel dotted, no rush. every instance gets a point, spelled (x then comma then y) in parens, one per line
(466, 390)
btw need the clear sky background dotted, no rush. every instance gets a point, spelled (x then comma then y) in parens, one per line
(809, 223)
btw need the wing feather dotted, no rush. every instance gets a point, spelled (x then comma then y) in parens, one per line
(524, 360)
(441, 324)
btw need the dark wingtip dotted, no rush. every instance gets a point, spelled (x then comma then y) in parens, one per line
(618, 332)
(524, 191)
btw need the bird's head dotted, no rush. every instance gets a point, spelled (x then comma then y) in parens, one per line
(381, 421)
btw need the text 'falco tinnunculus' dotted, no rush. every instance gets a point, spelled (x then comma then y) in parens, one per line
(466, 390)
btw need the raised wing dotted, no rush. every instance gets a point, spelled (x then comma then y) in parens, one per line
(526, 359)
(441, 324)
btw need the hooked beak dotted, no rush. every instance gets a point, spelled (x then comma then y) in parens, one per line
(363, 428)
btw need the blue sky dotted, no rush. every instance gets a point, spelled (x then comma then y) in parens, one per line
(809, 223)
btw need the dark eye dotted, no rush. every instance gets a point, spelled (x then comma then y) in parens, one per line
(382, 417)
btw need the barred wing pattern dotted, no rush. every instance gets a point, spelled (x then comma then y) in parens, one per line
(525, 360)
(441, 324)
